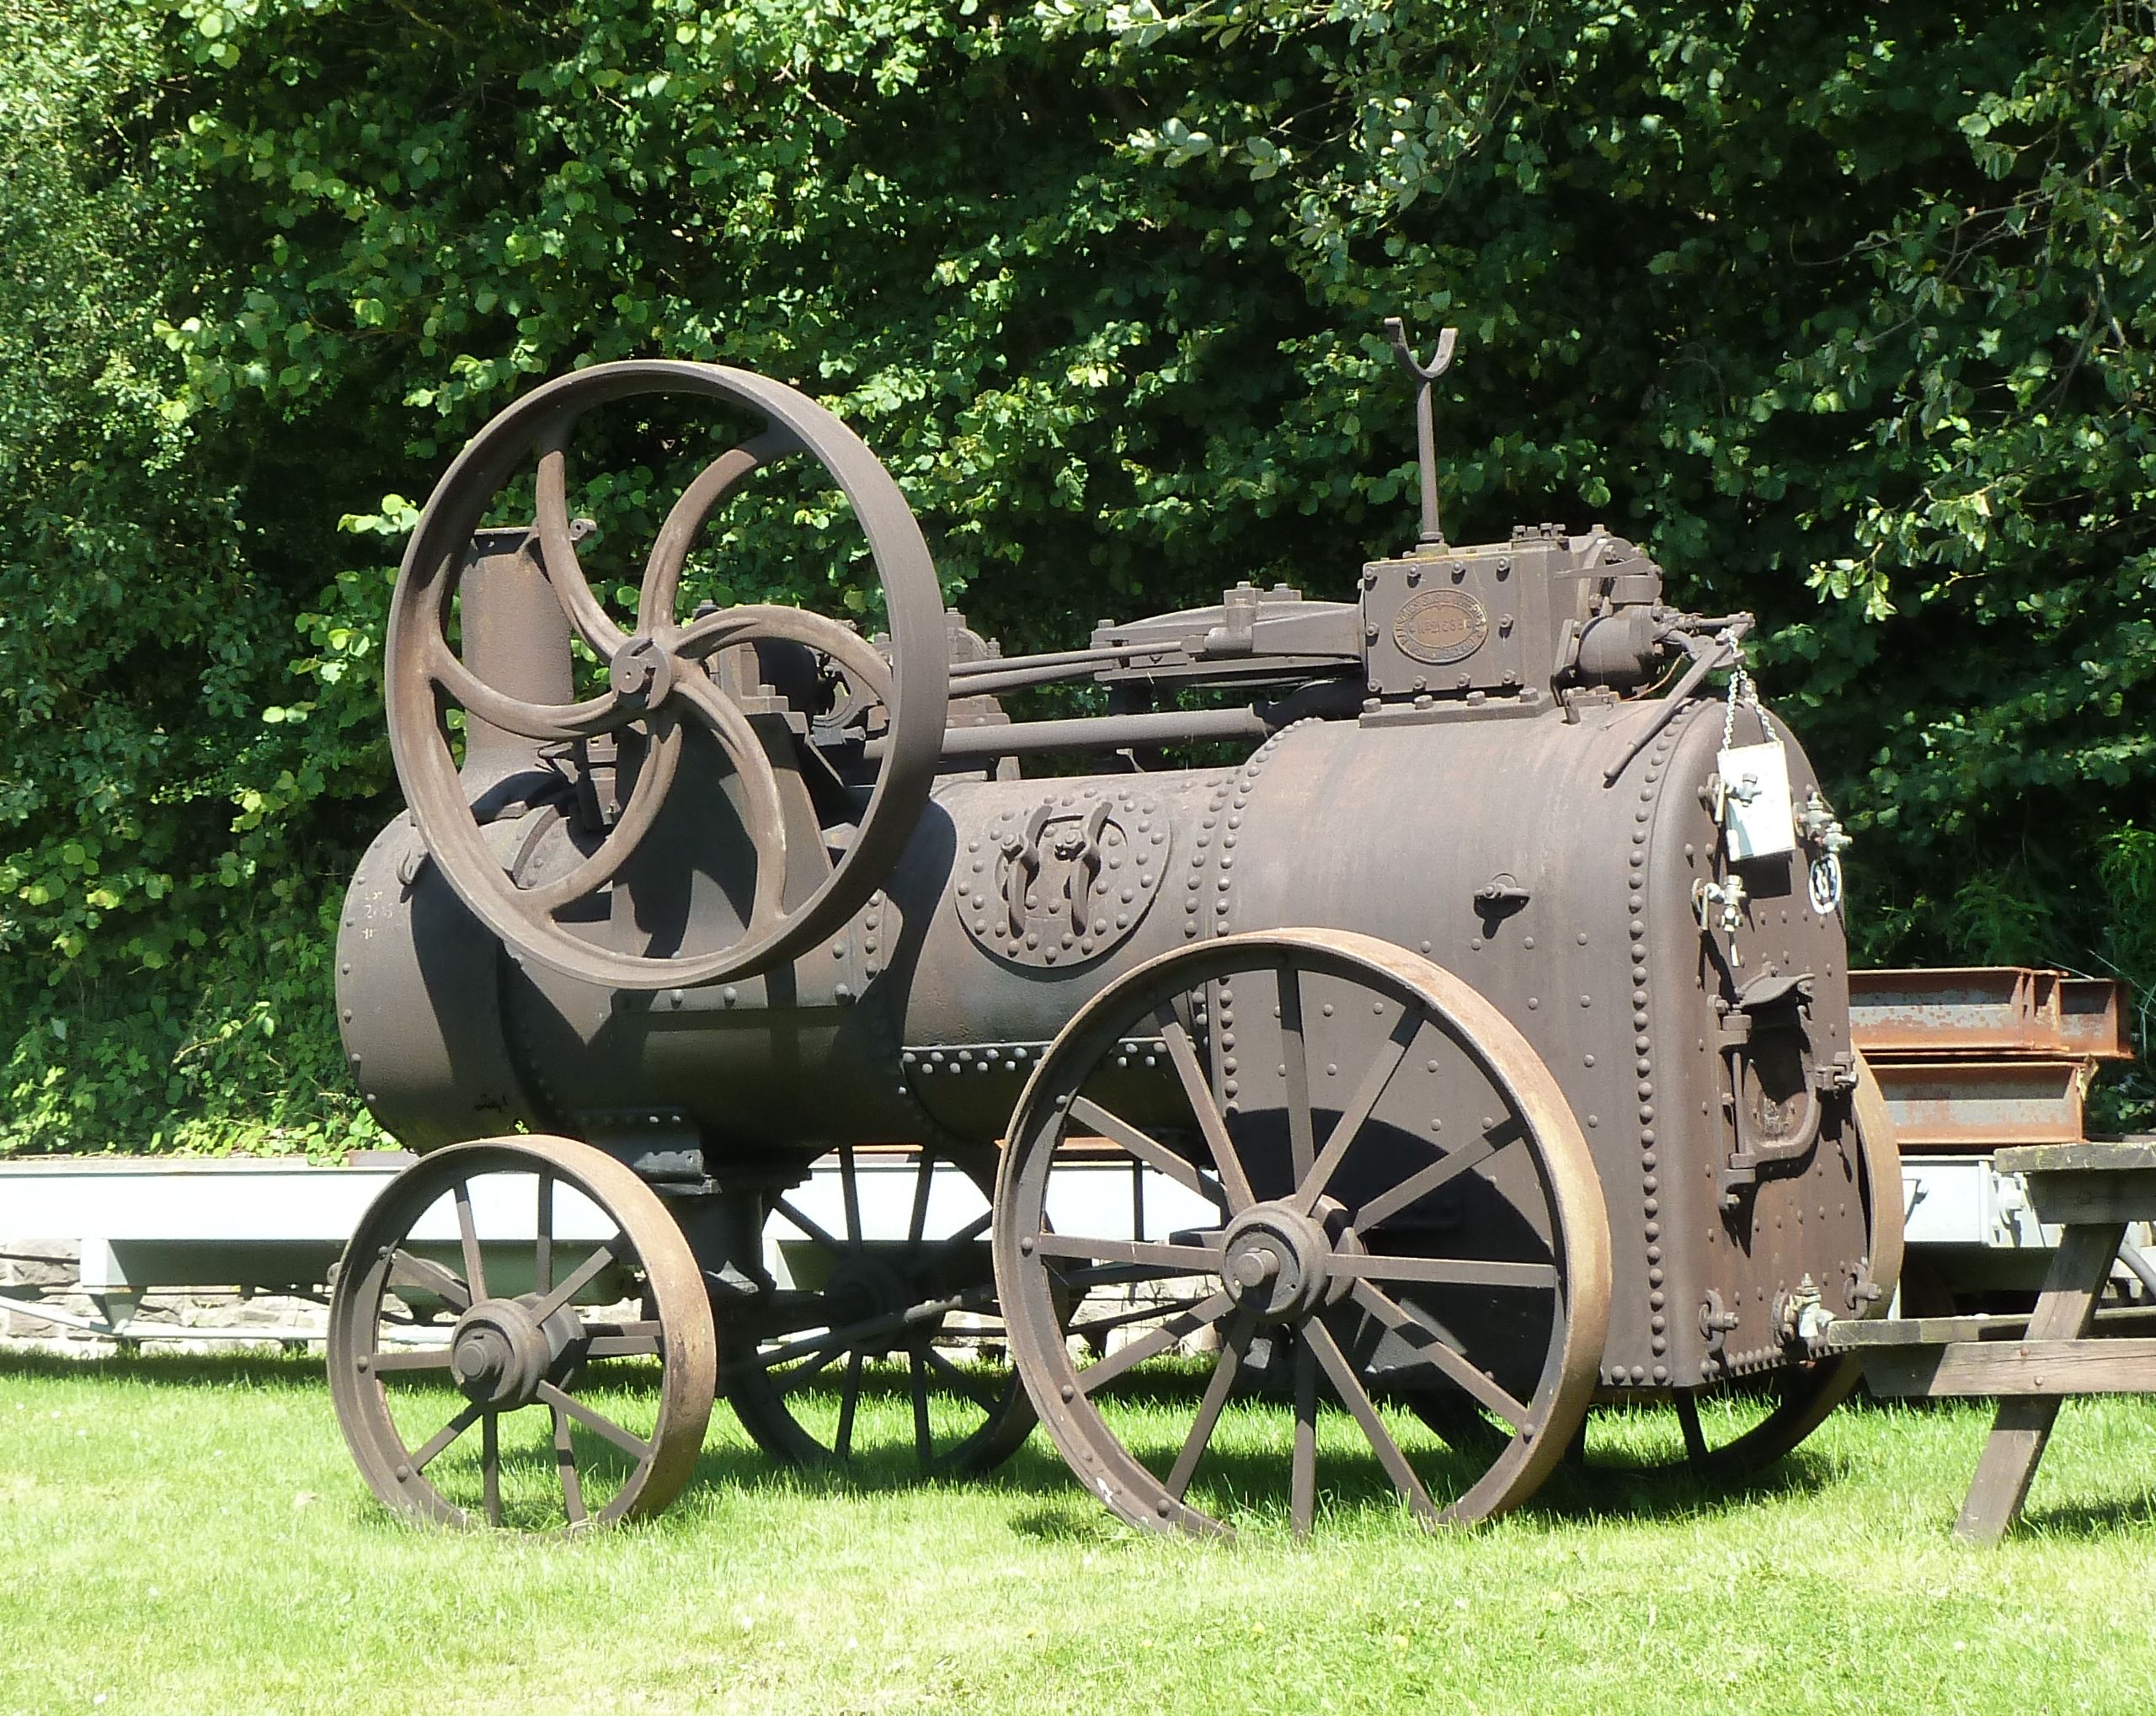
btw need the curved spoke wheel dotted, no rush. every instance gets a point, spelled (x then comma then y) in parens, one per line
(887, 1334)
(660, 688)
(520, 1336)
(1728, 1433)
(1362, 1186)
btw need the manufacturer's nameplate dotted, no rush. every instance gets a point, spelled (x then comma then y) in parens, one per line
(1438, 627)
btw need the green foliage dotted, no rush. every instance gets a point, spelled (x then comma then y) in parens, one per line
(1846, 312)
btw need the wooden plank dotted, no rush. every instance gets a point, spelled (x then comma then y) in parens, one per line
(2078, 1195)
(1852, 1335)
(2134, 1155)
(2012, 1368)
(2024, 1424)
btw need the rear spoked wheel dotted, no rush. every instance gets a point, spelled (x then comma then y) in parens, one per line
(1363, 1193)
(519, 1336)
(885, 1337)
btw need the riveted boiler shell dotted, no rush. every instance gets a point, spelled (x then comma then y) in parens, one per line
(1495, 848)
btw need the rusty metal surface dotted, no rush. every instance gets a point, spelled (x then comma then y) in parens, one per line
(1983, 1104)
(1986, 1012)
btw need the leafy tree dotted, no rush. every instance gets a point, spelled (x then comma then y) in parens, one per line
(1844, 311)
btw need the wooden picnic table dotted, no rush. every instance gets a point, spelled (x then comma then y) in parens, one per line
(2063, 1347)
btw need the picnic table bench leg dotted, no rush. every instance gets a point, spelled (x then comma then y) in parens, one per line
(2071, 1286)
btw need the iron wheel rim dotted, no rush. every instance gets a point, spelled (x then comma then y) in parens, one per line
(1576, 1273)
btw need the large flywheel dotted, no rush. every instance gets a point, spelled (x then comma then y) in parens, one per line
(658, 687)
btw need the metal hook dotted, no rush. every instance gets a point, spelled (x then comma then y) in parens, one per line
(1425, 432)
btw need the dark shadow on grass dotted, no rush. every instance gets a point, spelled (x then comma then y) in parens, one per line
(1234, 1482)
(1230, 1483)
(1576, 1493)
(2089, 1520)
(279, 1372)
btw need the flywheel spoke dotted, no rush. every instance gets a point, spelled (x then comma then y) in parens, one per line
(766, 816)
(558, 551)
(662, 761)
(670, 550)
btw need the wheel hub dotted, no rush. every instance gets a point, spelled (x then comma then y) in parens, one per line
(500, 1353)
(1274, 1263)
(868, 1289)
(641, 672)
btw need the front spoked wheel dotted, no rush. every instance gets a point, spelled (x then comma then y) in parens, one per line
(1362, 1192)
(519, 1336)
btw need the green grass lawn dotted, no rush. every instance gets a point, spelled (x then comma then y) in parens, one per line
(184, 1535)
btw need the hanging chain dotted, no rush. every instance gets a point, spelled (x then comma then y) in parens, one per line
(1741, 690)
